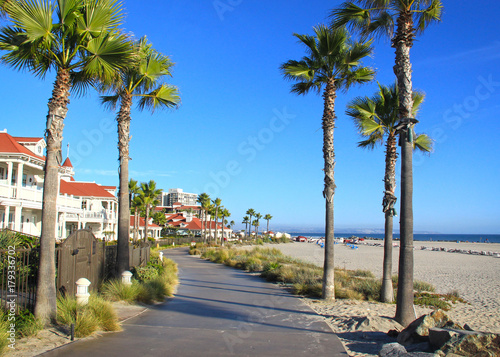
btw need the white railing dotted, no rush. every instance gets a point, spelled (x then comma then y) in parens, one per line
(68, 201)
(31, 194)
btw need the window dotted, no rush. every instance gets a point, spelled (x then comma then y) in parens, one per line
(84, 204)
(24, 180)
(3, 175)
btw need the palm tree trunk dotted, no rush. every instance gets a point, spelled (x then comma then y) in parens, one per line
(222, 237)
(146, 223)
(329, 191)
(123, 119)
(402, 42)
(387, 291)
(136, 224)
(46, 307)
(268, 227)
(216, 220)
(250, 227)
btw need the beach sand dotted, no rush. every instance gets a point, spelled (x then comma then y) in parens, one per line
(475, 277)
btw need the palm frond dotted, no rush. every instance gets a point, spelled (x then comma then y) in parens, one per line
(110, 101)
(428, 15)
(357, 76)
(108, 53)
(166, 96)
(424, 143)
(294, 70)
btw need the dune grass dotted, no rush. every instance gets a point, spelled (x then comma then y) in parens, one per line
(152, 283)
(306, 279)
(97, 315)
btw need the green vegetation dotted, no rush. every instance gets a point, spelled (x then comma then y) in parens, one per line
(151, 283)
(98, 314)
(306, 279)
(16, 239)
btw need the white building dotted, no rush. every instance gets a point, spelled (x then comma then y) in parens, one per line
(79, 204)
(178, 196)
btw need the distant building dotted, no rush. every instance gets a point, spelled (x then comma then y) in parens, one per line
(79, 204)
(179, 197)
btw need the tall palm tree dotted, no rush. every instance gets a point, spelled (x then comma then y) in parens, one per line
(246, 221)
(258, 216)
(251, 213)
(376, 119)
(149, 195)
(268, 217)
(202, 199)
(216, 202)
(225, 214)
(143, 79)
(133, 189)
(333, 62)
(396, 19)
(137, 205)
(78, 40)
(255, 223)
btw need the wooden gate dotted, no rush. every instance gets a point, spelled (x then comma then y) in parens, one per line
(81, 255)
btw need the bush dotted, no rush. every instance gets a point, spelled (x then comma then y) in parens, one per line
(27, 324)
(96, 315)
(4, 331)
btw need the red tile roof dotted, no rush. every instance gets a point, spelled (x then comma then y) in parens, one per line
(84, 189)
(26, 140)
(67, 163)
(9, 145)
(142, 223)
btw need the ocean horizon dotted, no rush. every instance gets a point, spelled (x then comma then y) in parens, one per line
(476, 238)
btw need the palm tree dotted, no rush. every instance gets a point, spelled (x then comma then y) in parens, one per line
(149, 195)
(246, 221)
(78, 40)
(137, 205)
(144, 79)
(251, 213)
(255, 223)
(258, 216)
(225, 214)
(376, 119)
(333, 62)
(396, 19)
(133, 190)
(216, 202)
(202, 199)
(268, 217)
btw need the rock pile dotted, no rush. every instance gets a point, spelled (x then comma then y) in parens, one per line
(437, 335)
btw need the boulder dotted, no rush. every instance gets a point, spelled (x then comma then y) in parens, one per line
(397, 350)
(472, 345)
(392, 350)
(418, 330)
(438, 337)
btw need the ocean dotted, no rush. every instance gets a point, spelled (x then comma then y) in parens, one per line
(479, 238)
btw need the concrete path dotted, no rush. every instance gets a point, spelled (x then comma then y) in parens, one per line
(217, 311)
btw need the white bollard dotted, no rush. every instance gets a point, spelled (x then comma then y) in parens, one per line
(161, 256)
(127, 277)
(82, 291)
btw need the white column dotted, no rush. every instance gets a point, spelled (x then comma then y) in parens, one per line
(9, 176)
(17, 219)
(6, 217)
(62, 217)
(20, 167)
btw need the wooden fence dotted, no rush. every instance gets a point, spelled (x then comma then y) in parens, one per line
(81, 255)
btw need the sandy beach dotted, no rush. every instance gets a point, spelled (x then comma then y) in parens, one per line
(475, 277)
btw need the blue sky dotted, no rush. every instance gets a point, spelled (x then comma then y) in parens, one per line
(242, 136)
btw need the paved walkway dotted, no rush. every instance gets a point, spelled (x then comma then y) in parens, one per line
(217, 311)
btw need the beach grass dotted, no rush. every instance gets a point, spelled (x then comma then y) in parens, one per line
(306, 279)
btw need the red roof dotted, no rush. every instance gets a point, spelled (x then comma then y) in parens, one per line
(26, 140)
(67, 163)
(10, 145)
(84, 189)
(142, 223)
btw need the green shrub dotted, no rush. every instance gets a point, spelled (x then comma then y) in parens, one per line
(4, 331)
(146, 273)
(96, 315)
(423, 286)
(27, 324)
(115, 290)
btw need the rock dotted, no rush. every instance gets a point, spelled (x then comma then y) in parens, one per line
(438, 337)
(418, 330)
(393, 333)
(392, 350)
(472, 345)
(377, 323)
